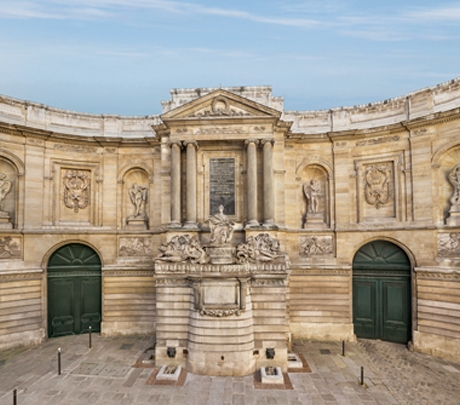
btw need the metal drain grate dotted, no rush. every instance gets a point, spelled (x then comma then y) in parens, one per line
(325, 351)
(126, 346)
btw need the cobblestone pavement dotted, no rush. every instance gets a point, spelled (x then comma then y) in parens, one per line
(104, 375)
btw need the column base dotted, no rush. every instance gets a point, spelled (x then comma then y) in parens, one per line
(175, 225)
(252, 224)
(192, 225)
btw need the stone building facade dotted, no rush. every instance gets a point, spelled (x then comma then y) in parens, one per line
(106, 221)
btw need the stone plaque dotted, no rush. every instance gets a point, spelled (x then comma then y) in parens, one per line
(222, 185)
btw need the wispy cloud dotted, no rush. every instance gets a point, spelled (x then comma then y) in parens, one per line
(85, 9)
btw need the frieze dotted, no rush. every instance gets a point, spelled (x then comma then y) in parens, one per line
(10, 248)
(171, 281)
(438, 275)
(277, 282)
(128, 273)
(259, 129)
(316, 245)
(316, 271)
(219, 131)
(75, 148)
(340, 144)
(246, 268)
(139, 246)
(377, 141)
(219, 313)
(449, 244)
(29, 275)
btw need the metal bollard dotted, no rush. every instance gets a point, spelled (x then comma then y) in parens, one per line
(343, 348)
(89, 337)
(15, 397)
(59, 361)
(362, 375)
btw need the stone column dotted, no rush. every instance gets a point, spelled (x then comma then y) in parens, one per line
(190, 175)
(251, 145)
(269, 195)
(175, 185)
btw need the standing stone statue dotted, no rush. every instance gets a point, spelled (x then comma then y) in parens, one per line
(454, 178)
(138, 196)
(312, 192)
(5, 187)
(221, 228)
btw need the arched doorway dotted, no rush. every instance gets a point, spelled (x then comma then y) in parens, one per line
(382, 292)
(74, 291)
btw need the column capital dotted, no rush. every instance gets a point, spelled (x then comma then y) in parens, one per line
(172, 143)
(249, 141)
(189, 142)
(265, 141)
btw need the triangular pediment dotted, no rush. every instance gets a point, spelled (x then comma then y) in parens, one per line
(220, 104)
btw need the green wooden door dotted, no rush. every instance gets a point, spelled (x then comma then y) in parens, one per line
(381, 293)
(74, 291)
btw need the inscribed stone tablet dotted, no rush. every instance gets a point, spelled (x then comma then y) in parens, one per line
(222, 185)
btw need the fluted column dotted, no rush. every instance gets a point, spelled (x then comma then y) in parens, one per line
(190, 177)
(269, 194)
(175, 185)
(251, 145)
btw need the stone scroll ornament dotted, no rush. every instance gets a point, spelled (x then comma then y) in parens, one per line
(5, 187)
(183, 248)
(377, 185)
(76, 189)
(260, 248)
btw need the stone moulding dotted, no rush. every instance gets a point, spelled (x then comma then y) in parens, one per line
(430, 273)
(219, 313)
(246, 268)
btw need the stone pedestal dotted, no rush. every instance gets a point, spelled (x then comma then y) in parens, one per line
(5, 220)
(314, 220)
(454, 217)
(139, 223)
(222, 254)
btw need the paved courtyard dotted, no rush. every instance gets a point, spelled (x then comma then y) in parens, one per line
(105, 374)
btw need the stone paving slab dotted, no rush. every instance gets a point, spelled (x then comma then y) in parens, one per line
(105, 375)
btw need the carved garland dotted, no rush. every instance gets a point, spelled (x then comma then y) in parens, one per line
(76, 189)
(377, 185)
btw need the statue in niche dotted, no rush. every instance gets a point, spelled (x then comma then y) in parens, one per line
(312, 191)
(454, 178)
(5, 187)
(377, 185)
(76, 191)
(221, 228)
(182, 248)
(138, 196)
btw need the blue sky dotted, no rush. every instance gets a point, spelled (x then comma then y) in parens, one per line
(123, 56)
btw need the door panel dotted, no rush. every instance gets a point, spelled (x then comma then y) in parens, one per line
(396, 310)
(90, 304)
(364, 307)
(62, 312)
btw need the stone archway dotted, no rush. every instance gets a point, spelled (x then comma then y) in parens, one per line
(74, 291)
(382, 292)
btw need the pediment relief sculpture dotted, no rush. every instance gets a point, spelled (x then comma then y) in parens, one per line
(76, 189)
(220, 107)
(378, 184)
(9, 248)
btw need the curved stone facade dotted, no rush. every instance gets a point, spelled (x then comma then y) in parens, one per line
(322, 183)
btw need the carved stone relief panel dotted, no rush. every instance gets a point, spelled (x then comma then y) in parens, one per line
(449, 244)
(73, 197)
(377, 190)
(316, 246)
(8, 194)
(140, 246)
(10, 248)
